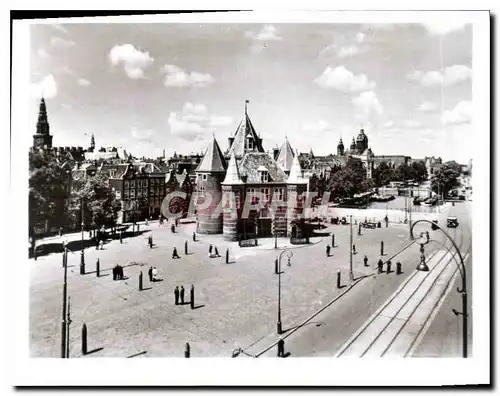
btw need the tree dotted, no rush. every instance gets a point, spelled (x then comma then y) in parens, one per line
(48, 192)
(404, 172)
(383, 174)
(445, 177)
(348, 181)
(100, 205)
(419, 171)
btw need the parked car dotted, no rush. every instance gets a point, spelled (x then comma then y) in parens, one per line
(433, 226)
(451, 222)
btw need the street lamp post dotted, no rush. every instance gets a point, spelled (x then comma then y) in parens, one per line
(289, 255)
(82, 254)
(351, 274)
(64, 304)
(462, 290)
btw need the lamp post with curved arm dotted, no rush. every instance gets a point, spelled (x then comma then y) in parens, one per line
(289, 255)
(462, 290)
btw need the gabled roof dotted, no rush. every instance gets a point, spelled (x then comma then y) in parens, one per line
(213, 160)
(119, 170)
(295, 176)
(252, 161)
(245, 129)
(233, 173)
(285, 156)
(172, 178)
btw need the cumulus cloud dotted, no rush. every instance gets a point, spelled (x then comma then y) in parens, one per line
(46, 88)
(427, 107)
(444, 27)
(267, 33)
(83, 82)
(178, 77)
(367, 103)
(449, 76)
(316, 126)
(341, 79)
(460, 114)
(134, 61)
(194, 122)
(58, 42)
(411, 124)
(143, 135)
(348, 51)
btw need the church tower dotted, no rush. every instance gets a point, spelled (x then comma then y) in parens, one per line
(92, 144)
(42, 140)
(245, 140)
(209, 175)
(340, 148)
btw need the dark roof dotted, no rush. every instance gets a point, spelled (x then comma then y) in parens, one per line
(213, 160)
(252, 161)
(119, 169)
(245, 129)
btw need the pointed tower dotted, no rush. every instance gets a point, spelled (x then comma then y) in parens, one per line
(245, 140)
(352, 149)
(361, 142)
(232, 190)
(340, 148)
(92, 144)
(285, 156)
(209, 176)
(42, 140)
(296, 187)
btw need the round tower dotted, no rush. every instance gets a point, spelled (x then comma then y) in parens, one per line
(209, 175)
(232, 190)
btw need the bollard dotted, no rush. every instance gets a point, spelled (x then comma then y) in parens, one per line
(398, 268)
(84, 339)
(186, 248)
(382, 248)
(389, 266)
(98, 268)
(82, 264)
(227, 256)
(187, 350)
(338, 279)
(359, 229)
(333, 240)
(191, 297)
(276, 266)
(121, 240)
(354, 249)
(140, 281)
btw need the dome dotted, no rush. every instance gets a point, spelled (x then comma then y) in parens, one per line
(340, 144)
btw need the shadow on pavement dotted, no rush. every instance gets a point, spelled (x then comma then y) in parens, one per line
(94, 351)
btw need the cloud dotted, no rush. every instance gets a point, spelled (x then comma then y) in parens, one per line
(316, 126)
(449, 76)
(67, 70)
(343, 80)
(58, 27)
(61, 43)
(444, 27)
(42, 53)
(83, 82)
(66, 106)
(267, 33)
(194, 122)
(348, 51)
(411, 124)
(388, 124)
(143, 135)
(368, 103)
(46, 88)
(178, 77)
(134, 61)
(461, 114)
(427, 107)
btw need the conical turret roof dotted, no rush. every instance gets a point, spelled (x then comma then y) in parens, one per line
(245, 129)
(295, 176)
(42, 126)
(233, 173)
(285, 156)
(213, 160)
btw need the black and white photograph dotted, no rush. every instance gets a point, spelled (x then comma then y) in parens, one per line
(305, 187)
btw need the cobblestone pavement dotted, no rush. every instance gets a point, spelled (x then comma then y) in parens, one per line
(237, 301)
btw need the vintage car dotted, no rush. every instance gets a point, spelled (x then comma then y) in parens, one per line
(451, 222)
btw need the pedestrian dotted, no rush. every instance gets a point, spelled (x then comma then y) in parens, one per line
(102, 245)
(121, 272)
(60, 231)
(191, 296)
(398, 268)
(147, 222)
(389, 266)
(114, 273)
(354, 249)
(176, 294)
(150, 274)
(217, 252)
(174, 254)
(97, 244)
(327, 250)
(151, 242)
(173, 229)
(281, 347)
(210, 250)
(155, 274)
(365, 261)
(380, 264)
(194, 236)
(182, 295)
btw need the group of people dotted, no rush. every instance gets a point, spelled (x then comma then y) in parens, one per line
(118, 272)
(179, 295)
(153, 274)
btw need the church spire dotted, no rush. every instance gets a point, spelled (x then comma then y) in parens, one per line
(92, 143)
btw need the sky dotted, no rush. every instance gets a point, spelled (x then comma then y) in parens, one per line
(151, 87)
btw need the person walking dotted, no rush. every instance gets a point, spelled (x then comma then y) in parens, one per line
(217, 252)
(281, 347)
(182, 295)
(194, 236)
(365, 261)
(175, 255)
(210, 248)
(380, 264)
(327, 250)
(176, 294)
(150, 274)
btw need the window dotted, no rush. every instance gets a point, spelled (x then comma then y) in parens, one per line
(125, 194)
(249, 143)
(126, 184)
(132, 183)
(264, 176)
(204, 177)
(152, 189)
(201, 191)
(265, 194)
(279, 193)
(132, 193)
(112, 173)
(118, 195)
